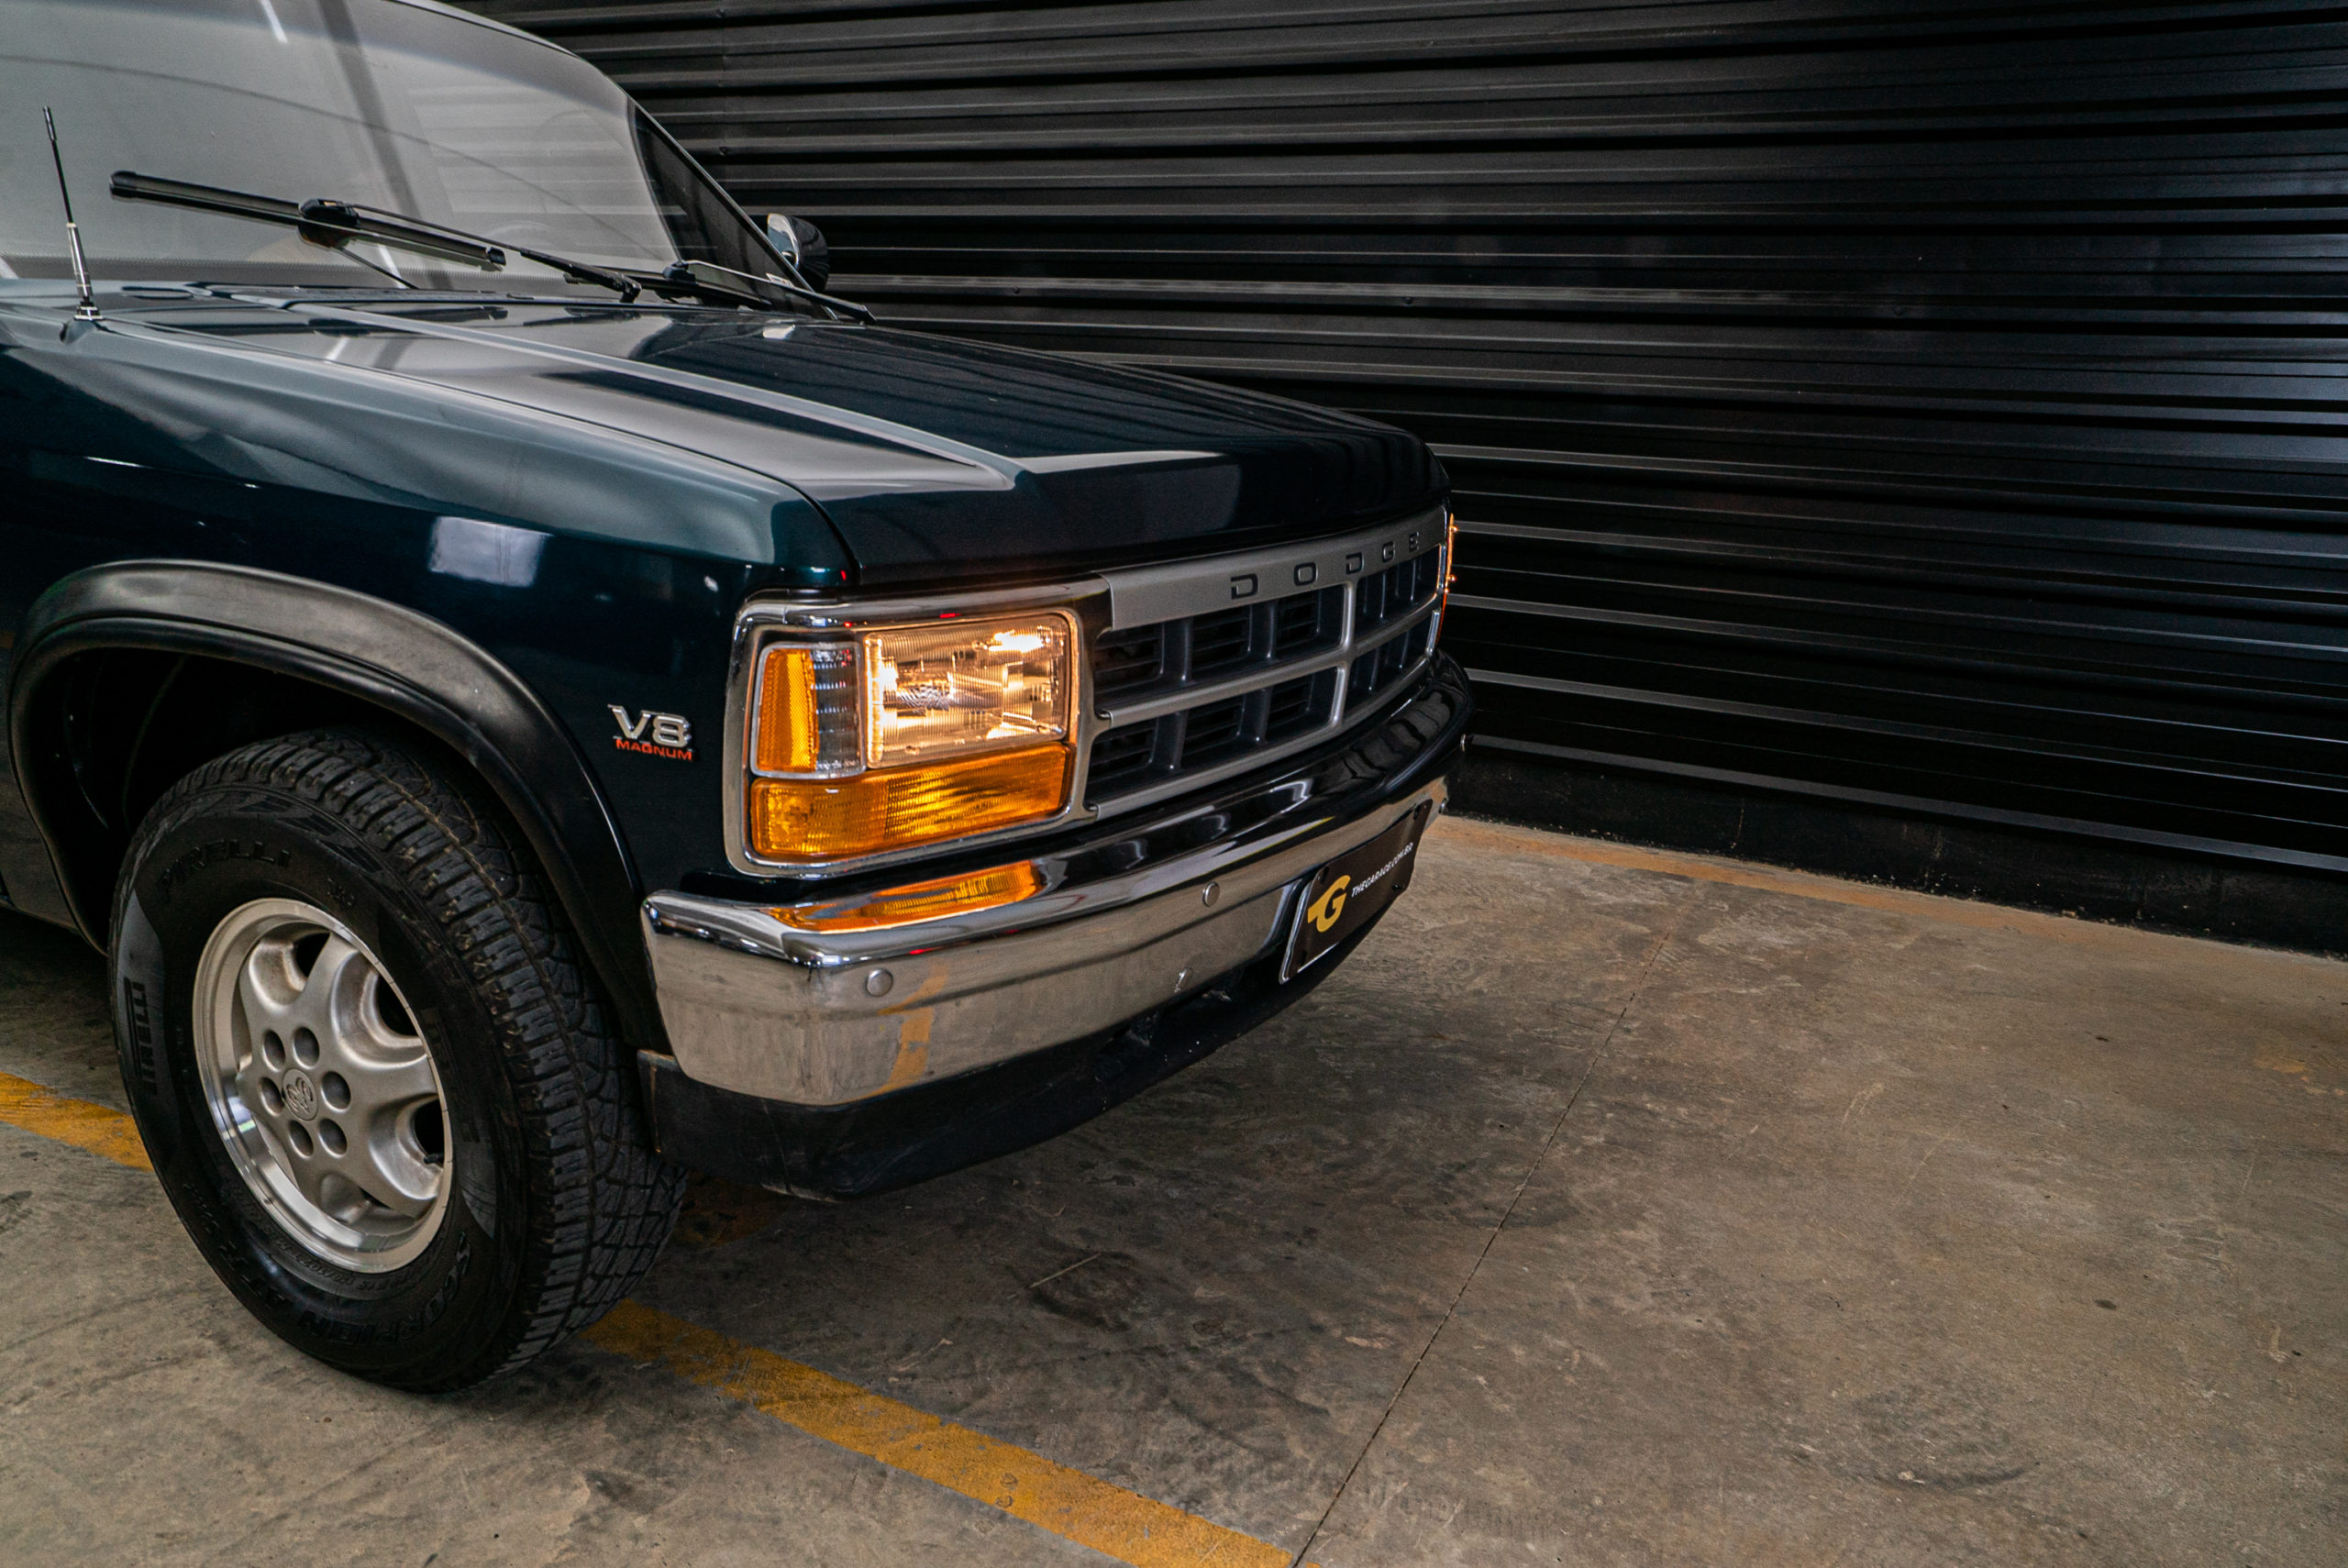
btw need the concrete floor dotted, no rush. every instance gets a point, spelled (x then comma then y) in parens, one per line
(1592, 1214)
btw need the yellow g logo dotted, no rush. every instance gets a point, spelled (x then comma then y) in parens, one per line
(1329, 905)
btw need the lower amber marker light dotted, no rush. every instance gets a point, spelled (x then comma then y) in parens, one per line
(896, 808)
(917, 902)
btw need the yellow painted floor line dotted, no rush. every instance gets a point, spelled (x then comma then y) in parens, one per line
(1109, 1518)
(97, 1128)
(2070, 930)
(1083, 1508)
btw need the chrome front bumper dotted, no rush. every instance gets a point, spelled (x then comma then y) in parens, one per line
(1131, 920)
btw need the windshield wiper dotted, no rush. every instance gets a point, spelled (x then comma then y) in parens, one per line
(335, 225)
(694, 277)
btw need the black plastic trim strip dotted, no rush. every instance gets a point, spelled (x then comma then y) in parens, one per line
(393, 658)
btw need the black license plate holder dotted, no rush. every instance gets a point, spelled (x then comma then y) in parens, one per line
(1348, 892)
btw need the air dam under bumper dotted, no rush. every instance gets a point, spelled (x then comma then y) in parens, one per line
(838, 1063)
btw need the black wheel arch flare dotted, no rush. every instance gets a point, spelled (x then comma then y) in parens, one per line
(380, 657)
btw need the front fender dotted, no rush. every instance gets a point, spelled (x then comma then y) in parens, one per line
(377, 653)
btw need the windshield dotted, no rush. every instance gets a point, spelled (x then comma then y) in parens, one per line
(388, 104)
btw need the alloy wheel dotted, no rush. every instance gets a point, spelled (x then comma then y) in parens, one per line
(321, 1086)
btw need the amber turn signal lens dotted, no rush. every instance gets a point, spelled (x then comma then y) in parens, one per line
(1450, 563)
(787, 712)
(914, 901)
(895, 808)
(806, 711)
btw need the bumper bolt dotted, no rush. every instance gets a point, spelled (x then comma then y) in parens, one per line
(876, 983)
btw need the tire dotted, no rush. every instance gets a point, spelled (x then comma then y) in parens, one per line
(331, 928)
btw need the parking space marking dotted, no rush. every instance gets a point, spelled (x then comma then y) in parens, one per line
(1083, 1508)
(100, 1129)
(1052, 1496)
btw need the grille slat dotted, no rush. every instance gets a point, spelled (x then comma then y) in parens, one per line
(1298, 705)
(1388, 595)
(1221, 642)
(1126, 660)
(1154, 663)
(1122, 758)
(1307, 623)
(1213, 732)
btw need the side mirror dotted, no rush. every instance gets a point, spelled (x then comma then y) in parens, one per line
(801, 245)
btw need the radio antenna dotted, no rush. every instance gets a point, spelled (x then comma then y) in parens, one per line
(89, 311)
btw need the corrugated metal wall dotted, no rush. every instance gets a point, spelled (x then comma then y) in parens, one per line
(1920, 404)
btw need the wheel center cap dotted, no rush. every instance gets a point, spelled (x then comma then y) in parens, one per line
(301, 1095)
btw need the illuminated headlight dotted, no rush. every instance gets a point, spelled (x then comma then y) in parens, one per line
(909, 736)
(936, 693)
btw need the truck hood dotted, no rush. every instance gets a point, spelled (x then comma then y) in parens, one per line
(932, 458)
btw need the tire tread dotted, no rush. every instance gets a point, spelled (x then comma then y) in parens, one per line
(601, 1204)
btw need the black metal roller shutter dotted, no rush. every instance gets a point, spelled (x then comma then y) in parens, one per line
(1935, 404)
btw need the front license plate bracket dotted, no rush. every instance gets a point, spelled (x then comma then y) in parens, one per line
(1349, 892)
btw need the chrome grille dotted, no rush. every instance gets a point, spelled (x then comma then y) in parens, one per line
(1190, 698)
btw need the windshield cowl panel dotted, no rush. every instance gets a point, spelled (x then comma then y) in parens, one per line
(372, 103)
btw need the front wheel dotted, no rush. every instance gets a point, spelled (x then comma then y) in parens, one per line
(376, 1083)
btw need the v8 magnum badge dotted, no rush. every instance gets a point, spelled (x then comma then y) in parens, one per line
(654, 735)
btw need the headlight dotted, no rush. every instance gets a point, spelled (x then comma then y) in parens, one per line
(936, 691)
(908, 736)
